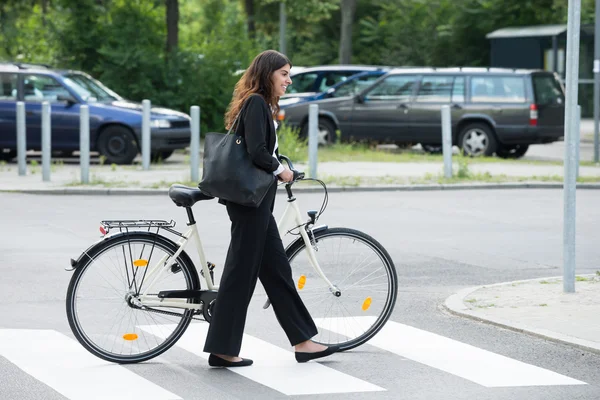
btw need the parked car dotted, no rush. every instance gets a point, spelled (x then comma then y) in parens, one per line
(351, 85)
(319, 79)
(500, 111)
(115, 123)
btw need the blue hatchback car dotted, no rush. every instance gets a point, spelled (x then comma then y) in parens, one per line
(115, 123)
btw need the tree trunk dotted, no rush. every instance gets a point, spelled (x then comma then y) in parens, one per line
(348, 7)
(44, 11)
(249, 6)
(172, 25)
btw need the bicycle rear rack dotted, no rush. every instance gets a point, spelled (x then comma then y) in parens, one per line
(127, 225)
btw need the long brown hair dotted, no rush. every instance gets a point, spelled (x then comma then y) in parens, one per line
(257, 79)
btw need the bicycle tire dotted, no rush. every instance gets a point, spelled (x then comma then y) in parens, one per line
(91, 332)
(318, 297)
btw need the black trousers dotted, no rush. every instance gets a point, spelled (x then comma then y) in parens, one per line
(255, 252)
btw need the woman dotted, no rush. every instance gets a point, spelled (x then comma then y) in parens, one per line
(256, 250)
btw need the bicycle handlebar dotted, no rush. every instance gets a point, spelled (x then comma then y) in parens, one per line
(297, 174)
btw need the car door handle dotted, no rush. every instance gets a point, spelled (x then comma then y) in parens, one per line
(403, 106)
(457, 106)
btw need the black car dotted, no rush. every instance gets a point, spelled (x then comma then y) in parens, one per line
(499, 111)
(115, 123)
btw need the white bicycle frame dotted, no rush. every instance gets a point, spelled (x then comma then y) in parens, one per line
(291, 218)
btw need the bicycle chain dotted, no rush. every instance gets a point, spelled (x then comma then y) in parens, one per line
(174, 314)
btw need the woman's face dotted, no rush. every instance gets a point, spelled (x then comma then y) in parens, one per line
(281, 80)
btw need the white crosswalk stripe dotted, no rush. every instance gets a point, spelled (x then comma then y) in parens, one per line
(460, 359)
(277, 368)
(63, 364)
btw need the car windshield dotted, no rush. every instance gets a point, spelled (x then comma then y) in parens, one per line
(89, 89)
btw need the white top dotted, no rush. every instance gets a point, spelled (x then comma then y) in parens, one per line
(279, 169)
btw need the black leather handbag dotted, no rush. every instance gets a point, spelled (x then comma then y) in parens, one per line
(229, 173)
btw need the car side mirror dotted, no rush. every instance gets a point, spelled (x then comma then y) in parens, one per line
(66, 98)
(359, 99)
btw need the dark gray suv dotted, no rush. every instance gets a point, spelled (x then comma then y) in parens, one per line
(499, 111)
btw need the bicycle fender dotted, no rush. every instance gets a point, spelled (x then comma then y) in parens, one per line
(84, 257)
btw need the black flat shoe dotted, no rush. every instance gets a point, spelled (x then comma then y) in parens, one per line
(216, 361)
(303, 357)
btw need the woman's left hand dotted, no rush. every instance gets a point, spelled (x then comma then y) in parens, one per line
(286, 175)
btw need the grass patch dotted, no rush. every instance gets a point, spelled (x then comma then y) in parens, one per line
(581, 279)
(486, 305)
(543, 305)
(471, 301)
(97, 181)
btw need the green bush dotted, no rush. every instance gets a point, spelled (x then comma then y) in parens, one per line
(291, 145)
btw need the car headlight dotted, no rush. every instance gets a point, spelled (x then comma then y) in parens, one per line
(160, 123)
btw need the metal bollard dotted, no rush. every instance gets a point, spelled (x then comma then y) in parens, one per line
(21, 139)
(447, 140)
(84, 143)
(146, 105)
(577, 140)
(46, 141)
(195, 143)
(313, 139)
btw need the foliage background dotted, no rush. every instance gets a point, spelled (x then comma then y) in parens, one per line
(123, 42)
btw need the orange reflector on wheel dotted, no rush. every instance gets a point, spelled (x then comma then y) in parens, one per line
(130, 336)
(140, 263)
(366, 304)
(301, 282)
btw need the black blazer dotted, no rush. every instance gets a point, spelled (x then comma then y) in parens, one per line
(256, 126)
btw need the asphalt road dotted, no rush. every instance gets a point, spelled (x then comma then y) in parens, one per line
(441, 242)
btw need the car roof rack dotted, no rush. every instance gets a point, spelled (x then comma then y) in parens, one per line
(22, 65)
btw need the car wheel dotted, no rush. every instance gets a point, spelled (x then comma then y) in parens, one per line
(325, 132)
(118, 145)
(477, 140)
(161, 155)
(432, 149)
(7, 154)
(515, 151)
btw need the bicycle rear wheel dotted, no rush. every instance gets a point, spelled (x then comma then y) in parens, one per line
(102, 306)
(364, 275)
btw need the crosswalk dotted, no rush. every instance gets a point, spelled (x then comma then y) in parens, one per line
(61, 363)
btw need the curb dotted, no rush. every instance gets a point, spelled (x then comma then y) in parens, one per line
(386, 188)
(455, 305)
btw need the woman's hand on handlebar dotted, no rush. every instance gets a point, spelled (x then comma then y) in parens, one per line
(286, 175)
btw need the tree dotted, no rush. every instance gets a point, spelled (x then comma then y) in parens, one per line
(172, 11)
(348, 8)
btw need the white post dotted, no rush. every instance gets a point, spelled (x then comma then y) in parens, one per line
(313, 139)
(146, 134)
(46, 141)
(84, 143)
(577, 141)
(571, 83)
(21, 139)
(195, 143)
(447, 140)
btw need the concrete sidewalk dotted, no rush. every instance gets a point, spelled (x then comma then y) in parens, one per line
(538, 307)
(66, 178)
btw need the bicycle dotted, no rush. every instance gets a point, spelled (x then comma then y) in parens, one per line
(124, 308)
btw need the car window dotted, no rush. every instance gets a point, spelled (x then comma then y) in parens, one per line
(40, 88)
(8, 86)
(89, 89)
(497, 89)
(332, 78)
(458, 90)
(396, 88)
(547, 90)
(435, 89)
(354, 86)
(302, 83)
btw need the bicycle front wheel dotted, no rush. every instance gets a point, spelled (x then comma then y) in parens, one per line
(103, 305)
(365, 285)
